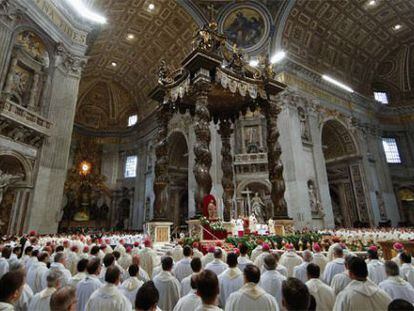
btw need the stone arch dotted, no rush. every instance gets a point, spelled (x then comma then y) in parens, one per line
(345, 175)
(340, 141)
(16, 182)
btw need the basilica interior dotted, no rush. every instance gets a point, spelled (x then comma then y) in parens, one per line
(115, 113)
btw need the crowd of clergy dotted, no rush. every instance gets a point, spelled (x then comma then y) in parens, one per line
(118, 273)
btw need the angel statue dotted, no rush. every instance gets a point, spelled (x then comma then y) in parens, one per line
(6, 180)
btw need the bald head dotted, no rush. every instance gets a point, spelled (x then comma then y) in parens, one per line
(307, 256)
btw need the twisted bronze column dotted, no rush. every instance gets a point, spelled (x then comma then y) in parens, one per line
(275, 165)
(161, 180)
(227, 167)
(202, 152)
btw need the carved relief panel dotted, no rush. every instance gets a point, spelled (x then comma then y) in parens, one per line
(27, 71)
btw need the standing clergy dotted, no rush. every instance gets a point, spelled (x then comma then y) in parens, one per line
(191, 300)
(89, 284)
(271, 280)
(58, 264)
(34, 276)
(182, 268)
(341, 280)
(258, 262)
(243, 260)
(148, 258)
(209, 257)
(407, 269)
(335, 266)
(167, 285)
(186, 282)
(376, 270)
(132, 284)
(81, 268)
(108, 297)
(290, 259)
(208, 289)
(251, 296)
(217, 265)
(319, 258)
(361, 293)
(323, 294)
(41, 300)
(230, 280)
(395, 286)
(300, 272)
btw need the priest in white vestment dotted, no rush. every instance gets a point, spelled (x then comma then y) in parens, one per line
(182, 268)
(251, 296)
(323, 294)
(256, 252)
(361, 293)
(89, 284)
(376, 269)
(81, 272)
(132, 284)
(334, 267)
(41, 300)
(230, 280)
(217, 265)
(108, 297)
(167, 285)
(196, 267)
(300, 272)
(395, 286)
(341, 280)
(148, 258)
(58, 264)
(209, 257)
(4, 266)
(290, 259)
(191, 300)
(35, 275)
(271, 280)
(177, 253)
(258, 262)
(22, 304)
(243, 260)
(208, 290)
(407, 268)
(319, 258)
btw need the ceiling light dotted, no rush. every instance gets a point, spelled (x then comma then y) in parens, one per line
(83, 10)
(254, 62)
(337, 83)
(151, 6)
(130, 36)
(397, 27)
(278, 57)
(114, 64)
(372, 2)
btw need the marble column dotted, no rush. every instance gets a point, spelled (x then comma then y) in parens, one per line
(161, 180)
(272, 110)
(202, 152)
(225, 132)
(54, 154)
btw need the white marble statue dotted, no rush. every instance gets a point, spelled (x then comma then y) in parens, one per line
(258, 208)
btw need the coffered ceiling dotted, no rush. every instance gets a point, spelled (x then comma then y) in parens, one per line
(347, 39)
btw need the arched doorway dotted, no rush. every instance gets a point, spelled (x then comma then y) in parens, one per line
(178, 174)
(406, 198)
(14, 193)
(345, 176)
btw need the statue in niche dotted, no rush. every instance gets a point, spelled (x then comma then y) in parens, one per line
(7, 180)
(258, 208)
(315, 204)
(303, 119)
(252, 139)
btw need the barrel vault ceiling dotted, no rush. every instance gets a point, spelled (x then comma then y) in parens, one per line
(348, 39)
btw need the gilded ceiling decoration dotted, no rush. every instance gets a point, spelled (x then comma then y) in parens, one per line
(129, 48)
(347, 39)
